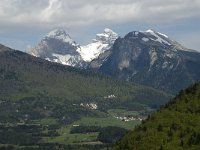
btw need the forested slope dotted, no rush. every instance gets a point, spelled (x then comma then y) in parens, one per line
(173, 127)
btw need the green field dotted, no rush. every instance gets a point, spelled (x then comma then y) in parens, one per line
(109, 121)
(66, 137)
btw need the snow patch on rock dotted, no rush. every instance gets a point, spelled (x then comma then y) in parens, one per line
(68, 59)
(158, 38)
(145, 39)
(92, 51)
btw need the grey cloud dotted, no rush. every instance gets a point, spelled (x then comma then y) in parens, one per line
(171, 10)
(72, 13)
(81, 16)
(190, 40)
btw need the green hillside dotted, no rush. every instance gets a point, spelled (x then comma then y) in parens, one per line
(40, 102)
(176, 126)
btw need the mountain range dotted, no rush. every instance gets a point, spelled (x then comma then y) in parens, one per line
(145, 57)
(58, 46)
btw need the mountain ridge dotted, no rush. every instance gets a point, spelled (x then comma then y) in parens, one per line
(95, 53)
(58, 46)
(145, 57)
(174, 126)
(22, 68)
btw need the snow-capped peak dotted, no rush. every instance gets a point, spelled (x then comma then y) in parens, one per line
(151, 31)
(158, 33)
(163, 35)
(56, 32)
(152, 35)
(60, 34)
(108, 36)
(159, 37)
(99, 45)
(110, 32)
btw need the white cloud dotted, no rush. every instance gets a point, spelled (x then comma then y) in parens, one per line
(72, 13)
(82, 16)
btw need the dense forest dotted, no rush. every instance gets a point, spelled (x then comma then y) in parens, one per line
(173, 127)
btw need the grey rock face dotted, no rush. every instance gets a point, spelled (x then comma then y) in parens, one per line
(151, 58)
(59, 47)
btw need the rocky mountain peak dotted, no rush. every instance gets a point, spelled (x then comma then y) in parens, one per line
(58, 46)
(151, 58)
(56, 32)
(60, 34)
(108, 36)
(150, 36)
(154, 38)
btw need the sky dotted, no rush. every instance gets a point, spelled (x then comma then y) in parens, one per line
(23, 23)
